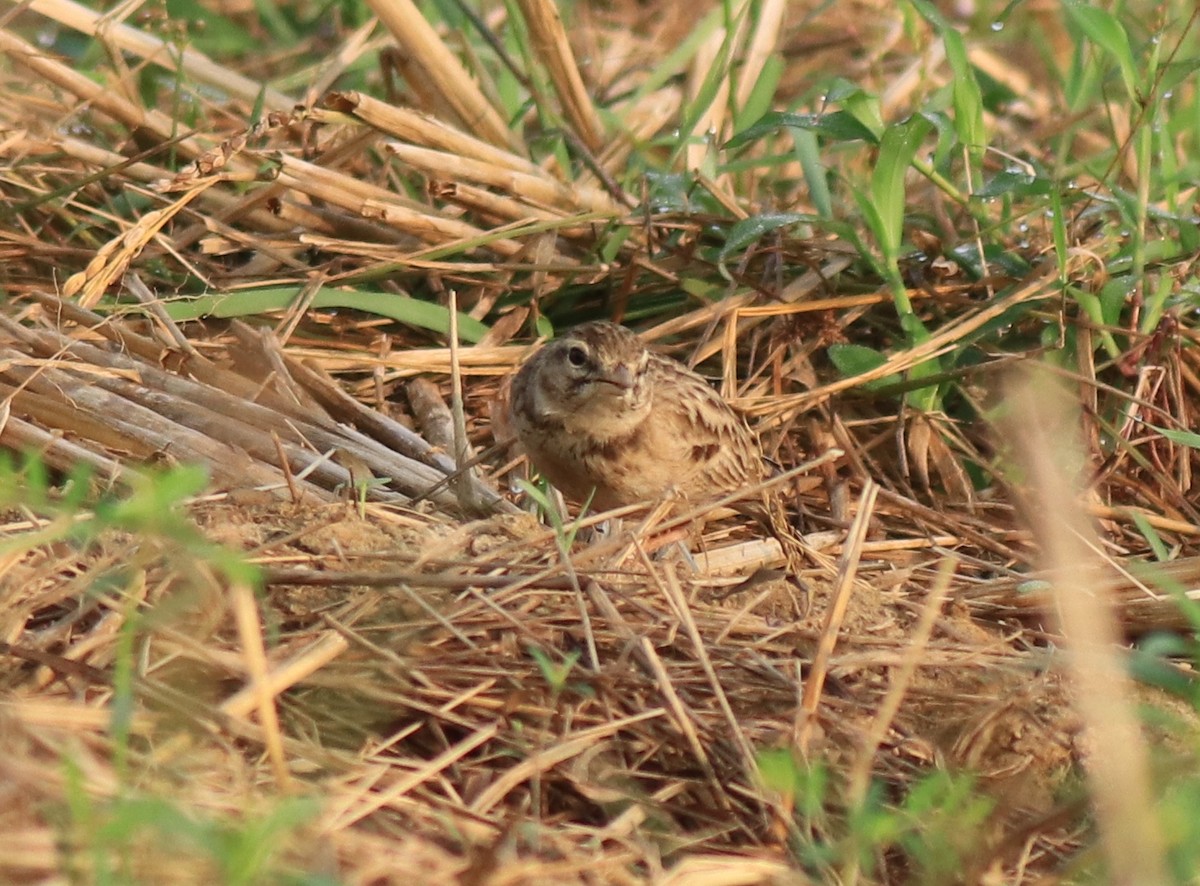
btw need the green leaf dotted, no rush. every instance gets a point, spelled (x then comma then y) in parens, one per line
(763, 93)
(1161, 552)
(816, 176)
(273, 16)
(209, 31)
(836, 125)
(1151, 664)
(1110, 300)
(1014, 181)
(852, 360)
(669, 192)
(751, 230)
(128, 817)
(996, 95)
(994, 259)
(1178, 71)
(863, 106)
(968, 98)
(874, 222)
(915, 330)
(1103, 29)
(1189, 439)
(896, 151)
(777, 767)
(554, 673)
(614, 239)
(926, 399)
(156, 496)
(401, 308)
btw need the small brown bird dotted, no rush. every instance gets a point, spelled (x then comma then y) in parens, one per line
(597, 411)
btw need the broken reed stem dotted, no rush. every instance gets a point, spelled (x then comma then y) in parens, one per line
(464, 476)
(551, 45)
(134, 285)
(421, 129)
(446, 76)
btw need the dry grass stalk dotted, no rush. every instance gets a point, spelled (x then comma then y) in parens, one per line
(549, 39)
(250, 632)
(1044, 426)
(552, 756)
(113, 259)
(470, 497)
(271, 683)
(847, 571)
(720, 870)
(445, 75)
(195, 65)
(101, 158)
(901, 679)
(460, 679)
(95, 95)
(762, 45)
(493, 361)
(409, 701)
(58, 714)
(421, 129)
(674, 593)
(497, 207)
(749, 317)
(391, 794)
(339, 189)
(203, 420)
(945, 339)
(539, 188)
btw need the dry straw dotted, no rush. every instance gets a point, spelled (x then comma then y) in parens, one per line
(1045, 425)
(460, 692)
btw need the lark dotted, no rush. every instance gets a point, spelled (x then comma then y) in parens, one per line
(601, 415)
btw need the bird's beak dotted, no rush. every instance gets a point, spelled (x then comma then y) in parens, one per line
(621, 377)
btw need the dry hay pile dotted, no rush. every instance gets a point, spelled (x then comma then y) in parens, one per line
(447, 676)
(433, 682)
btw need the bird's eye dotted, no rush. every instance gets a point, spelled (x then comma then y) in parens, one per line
(576, 356)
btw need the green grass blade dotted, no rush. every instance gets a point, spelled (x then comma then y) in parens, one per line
(401, 308)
